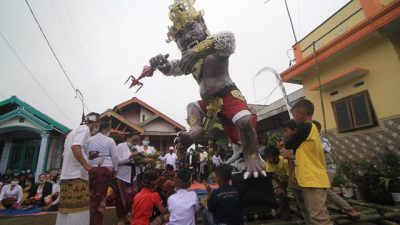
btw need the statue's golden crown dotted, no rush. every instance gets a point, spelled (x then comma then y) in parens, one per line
(181, 13)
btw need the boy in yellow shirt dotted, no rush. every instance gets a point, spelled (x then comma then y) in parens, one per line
(279, 167)
(310, 171)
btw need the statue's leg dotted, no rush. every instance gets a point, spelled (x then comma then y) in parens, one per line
(195, 119)
(248, 137)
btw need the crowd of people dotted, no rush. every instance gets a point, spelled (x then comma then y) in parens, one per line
(93, 164)
(21, 191)
(152, 193)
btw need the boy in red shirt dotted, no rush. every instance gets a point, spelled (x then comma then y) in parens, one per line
(145, 201)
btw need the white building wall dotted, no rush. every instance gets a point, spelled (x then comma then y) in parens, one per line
(159, 125)
(146, 114)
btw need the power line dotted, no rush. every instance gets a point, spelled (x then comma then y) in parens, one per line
(85, 60)
(52, 50)
(77, 54)
(34, 78)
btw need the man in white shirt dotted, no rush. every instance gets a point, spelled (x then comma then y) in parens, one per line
(184, 204)
(203, 163)
(74, 206)
(103, 158)
(123, 184)
(170, 157)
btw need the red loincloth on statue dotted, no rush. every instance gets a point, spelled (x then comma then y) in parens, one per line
(232, 106)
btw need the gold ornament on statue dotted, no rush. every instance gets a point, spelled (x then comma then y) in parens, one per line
(214, 107)
(181, 13)
(204, 45)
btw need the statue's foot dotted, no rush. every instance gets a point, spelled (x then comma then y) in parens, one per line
(184, 139)
(182, 142)
(255, 165)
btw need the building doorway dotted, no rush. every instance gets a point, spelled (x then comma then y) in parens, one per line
(24, 155)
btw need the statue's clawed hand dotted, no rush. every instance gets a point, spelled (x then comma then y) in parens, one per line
(255, 165)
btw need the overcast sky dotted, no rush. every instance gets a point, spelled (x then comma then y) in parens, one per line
(101, 42)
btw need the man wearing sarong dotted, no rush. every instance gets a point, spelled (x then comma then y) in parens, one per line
(102, 157)
(123, 183)
(74, 194)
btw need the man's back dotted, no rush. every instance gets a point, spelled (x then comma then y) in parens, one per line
(71, 168)
(182, 207)
(224, 203)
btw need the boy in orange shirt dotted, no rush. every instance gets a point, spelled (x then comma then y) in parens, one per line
(145, 201)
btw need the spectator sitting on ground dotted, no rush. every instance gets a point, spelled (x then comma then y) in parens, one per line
(184, 204)
(7, 176)
(49, 178)
(39, 191)
(223, 205)
(145, 201)
(52, 200)
(11, 195)
(28, 186)
(169, 172)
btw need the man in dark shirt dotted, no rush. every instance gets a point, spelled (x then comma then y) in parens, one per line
(223, 203)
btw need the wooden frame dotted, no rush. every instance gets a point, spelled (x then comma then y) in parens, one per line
(349, 116)
(351, 112)
(365, 95)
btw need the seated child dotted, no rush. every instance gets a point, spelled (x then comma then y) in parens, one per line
(184, 204)
(145, 201)
(223, 204)
(279, 167)
(52, 202)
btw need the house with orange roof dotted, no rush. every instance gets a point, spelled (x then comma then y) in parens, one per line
(350, 69)
(135, 115)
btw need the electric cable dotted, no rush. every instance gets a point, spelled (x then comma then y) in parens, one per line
(52, 50)
(34, 78)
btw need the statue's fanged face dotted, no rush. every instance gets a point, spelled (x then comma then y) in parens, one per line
(193, 33)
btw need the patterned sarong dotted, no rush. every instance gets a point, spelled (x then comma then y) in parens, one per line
(74, 196)
(99, 181)
(125, 194)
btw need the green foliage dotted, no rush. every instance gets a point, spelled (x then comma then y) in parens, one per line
(272, 139)
(374, 175)
(391, 177)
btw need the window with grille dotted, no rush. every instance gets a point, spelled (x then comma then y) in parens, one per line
(354, 112)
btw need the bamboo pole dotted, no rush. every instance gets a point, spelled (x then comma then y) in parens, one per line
(363, 218)
(392, 215)
(386, 222)
(295, 222)
(373, 205)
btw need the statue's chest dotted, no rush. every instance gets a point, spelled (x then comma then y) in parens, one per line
(204, 66)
